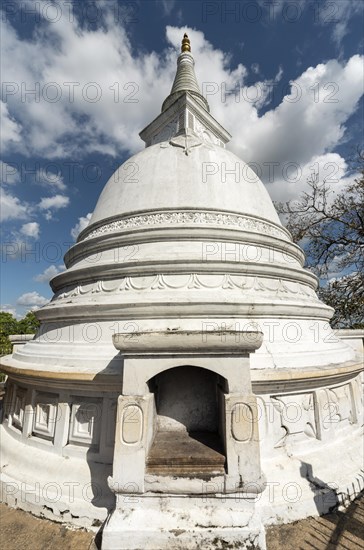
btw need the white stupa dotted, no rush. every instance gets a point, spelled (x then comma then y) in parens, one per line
(186, 308)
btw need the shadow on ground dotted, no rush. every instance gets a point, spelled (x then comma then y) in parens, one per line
(335, 531)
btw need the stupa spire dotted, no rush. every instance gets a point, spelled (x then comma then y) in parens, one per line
(186, 44)
(185, 79)
(185, 111)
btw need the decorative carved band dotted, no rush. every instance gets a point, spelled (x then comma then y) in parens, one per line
(246, 223)
(191, 282)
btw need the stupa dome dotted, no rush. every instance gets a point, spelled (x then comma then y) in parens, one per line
(163, 176)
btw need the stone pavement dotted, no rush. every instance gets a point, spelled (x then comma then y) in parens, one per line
(337, 531)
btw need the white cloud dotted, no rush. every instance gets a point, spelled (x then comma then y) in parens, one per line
(56, 202)
(10, 129)
(9, 308)
(308, 122)
(102, 64)
(49, 273)
(167, 6)
(9, 174)
(336, 15)
(339, 15)
(11, 208)
(106, 77)
(49, 179)
(303, 124)
(47, 204)
(134, 84)
(80, 225)
(288, 180)
(32, 300)
(30, 229)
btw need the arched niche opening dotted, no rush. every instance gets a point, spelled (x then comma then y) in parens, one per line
(189, 423)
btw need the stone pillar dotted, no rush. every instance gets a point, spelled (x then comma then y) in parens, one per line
(242, 444)
(133, 434)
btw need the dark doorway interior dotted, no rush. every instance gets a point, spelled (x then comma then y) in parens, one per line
(188, 439)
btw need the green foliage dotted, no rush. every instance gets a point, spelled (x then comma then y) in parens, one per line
(28, 325)
(9, 325)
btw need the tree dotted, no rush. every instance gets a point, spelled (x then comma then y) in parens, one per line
(9, 325)
(28, 325)
(345, 295)
(330, 228)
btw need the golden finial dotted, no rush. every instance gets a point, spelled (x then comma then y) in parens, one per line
(186, 45)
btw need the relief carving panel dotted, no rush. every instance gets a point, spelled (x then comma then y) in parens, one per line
(242, 422)
(18, 407)
(132, 424)
(45, 415)
(85, 422)
(296, 417)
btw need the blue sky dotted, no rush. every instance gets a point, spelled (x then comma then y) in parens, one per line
(79, 81)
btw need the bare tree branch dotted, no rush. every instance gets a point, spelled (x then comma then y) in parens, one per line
(330, 228)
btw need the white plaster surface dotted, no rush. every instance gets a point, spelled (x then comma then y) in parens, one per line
(191, 523)
(211, 178)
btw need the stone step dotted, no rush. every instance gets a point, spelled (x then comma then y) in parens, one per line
(181, 453)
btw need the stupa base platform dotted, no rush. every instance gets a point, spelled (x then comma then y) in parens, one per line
(60, 488)
(172, 522)
(307, 473)
(298, 486)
